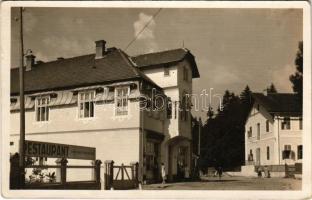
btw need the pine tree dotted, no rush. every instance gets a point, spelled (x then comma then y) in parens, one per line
(296, 79)
(223, 135)
(271, 89)
(210, 113)
(246, 101)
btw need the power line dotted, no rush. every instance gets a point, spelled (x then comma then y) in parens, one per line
(146, 25)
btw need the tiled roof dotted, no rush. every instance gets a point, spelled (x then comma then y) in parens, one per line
(166, 57)
(279, 102)
(77, 71)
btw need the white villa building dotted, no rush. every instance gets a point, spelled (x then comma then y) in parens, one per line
(273, 131)
(94, 101)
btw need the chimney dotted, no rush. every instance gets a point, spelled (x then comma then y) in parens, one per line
(100, 49)
(30, 61)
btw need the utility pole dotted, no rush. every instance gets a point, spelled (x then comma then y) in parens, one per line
(22, 105)
(199, 134)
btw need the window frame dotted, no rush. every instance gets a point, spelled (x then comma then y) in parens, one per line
(39, 108)
(299, 152)
(125, 111)
(91, 94)
(250, 155)
(258, 131)
(267, 126)
(287, 145)
(249, 132)
(184, 111)
(175, 109)
(169, 108)
(268, 152)
(285, 151)
(285, 126)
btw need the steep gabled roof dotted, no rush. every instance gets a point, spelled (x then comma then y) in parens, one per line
(78, 71)
(166, 57)
(281, 103)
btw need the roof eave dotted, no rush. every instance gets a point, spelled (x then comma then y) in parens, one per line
(75, 86)
(285, 113)
(191, 58)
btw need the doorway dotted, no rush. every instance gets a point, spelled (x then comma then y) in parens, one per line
(182, 162)
(258, 157)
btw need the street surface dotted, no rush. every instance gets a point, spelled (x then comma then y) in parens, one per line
(231, 183)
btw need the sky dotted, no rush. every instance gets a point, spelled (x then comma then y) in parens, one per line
(232, 47)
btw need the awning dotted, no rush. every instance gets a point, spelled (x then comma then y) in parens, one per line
(42, 94)
(177, 139)
(63, 98)
(88, 88)
(103, 96)
(154, 135)
(134, 94)
(121, 83)
(29, 103)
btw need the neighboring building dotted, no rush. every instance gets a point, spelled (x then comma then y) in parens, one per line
(94, 100)
(273, 131)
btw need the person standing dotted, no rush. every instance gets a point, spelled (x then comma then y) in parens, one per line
(220, 172)
(163, 173)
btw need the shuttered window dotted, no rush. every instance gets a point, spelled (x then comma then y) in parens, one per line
(42, 109)
(86, 104)
(121, 96)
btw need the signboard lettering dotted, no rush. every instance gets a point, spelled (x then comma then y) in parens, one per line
(55, 150)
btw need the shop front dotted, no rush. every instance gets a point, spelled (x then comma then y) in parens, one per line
(152, 160)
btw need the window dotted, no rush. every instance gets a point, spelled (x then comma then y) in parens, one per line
(11, 143)
(184, 108)
(267, 125)
(287, 151)
(268, 152)
(250, 132)
(185, 73)
(175, 109)
(299, 152)
(86, 104)
(258, 131)
(250, 155)
(169, 108)
(300, 123)
(286, 123)
(166, 71)
(287, 147)
(121, 95)
(258, 107)
(42, 109)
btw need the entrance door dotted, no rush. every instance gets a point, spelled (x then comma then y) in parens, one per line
(181, 162)
(258, 156)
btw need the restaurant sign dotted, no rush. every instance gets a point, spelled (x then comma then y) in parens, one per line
(55, 150)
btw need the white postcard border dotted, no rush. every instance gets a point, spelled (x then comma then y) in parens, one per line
(143, 194)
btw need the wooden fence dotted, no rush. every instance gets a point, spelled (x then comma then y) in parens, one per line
(121, 177)
(16, 182)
